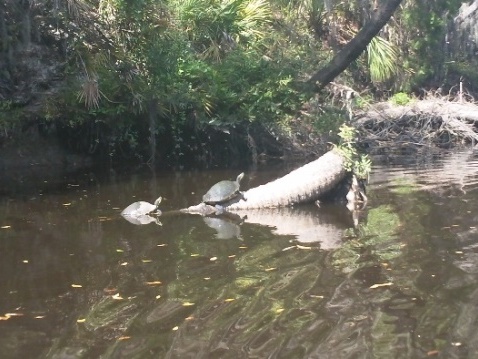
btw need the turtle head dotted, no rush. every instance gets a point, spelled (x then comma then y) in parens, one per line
(158, 201)
(240, 177)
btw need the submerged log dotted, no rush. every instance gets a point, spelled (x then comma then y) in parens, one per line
(303, 185)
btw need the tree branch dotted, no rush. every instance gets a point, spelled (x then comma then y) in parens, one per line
(356, 46)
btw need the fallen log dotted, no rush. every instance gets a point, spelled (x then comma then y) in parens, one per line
(303, 185)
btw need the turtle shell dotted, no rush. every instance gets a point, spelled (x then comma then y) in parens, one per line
(223, 191)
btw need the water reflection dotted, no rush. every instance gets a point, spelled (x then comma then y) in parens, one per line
(77, 280)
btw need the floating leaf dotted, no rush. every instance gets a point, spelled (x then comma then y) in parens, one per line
(175, 328)
(39, 316)
(67, 204)
(280, 310)
(124, 264)
(212, 259)
(188, 304)
(195, 255)
(231, 256)
(381, 285)
(81, 320)
(243, 247)
(158, 296)
(76, 286)
(288, 248)
(119, 250)
(146, 260)
(25, 261)
(162, 245)
(229, 300)
(5, 227)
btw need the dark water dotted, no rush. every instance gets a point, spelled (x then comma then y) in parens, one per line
(79, 281)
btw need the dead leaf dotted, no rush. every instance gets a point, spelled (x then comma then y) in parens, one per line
(270, 269)
(212, 259)
(82, 320)
(146, 260)
(288, 248)
(117, 296)
(303, 247)
(67, 204)
(76, 286)
(155, 282)
(381, 285)
(175, 328)
(188, 304)
(432, 352)
(229, 300)
(5, 227)
(124, 338)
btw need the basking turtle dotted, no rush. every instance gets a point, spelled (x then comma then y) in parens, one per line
(141, 208)
(223, 191)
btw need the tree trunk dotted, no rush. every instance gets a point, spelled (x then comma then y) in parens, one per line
(356, 46)
(303, 185)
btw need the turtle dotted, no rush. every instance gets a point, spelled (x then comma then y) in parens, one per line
(223, 191)
(141, 208)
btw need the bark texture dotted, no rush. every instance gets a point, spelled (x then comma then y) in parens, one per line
(303, 185)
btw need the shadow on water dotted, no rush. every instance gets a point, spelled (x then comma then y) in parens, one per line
(78, 281)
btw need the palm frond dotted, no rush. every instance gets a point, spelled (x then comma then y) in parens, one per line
(382, 59)
(89, 92)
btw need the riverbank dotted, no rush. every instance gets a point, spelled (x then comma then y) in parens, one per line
(384, 128)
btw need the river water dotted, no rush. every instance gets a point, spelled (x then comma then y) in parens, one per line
(396, 280)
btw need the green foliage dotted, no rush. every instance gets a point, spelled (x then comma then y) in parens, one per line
(421, 30)
(329, 120)
(360, 165)
(400, 99)
(382, 59)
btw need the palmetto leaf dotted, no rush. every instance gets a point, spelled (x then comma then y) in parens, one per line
(382, 59)
(89, 92)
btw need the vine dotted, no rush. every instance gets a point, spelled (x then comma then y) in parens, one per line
(358, 164)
